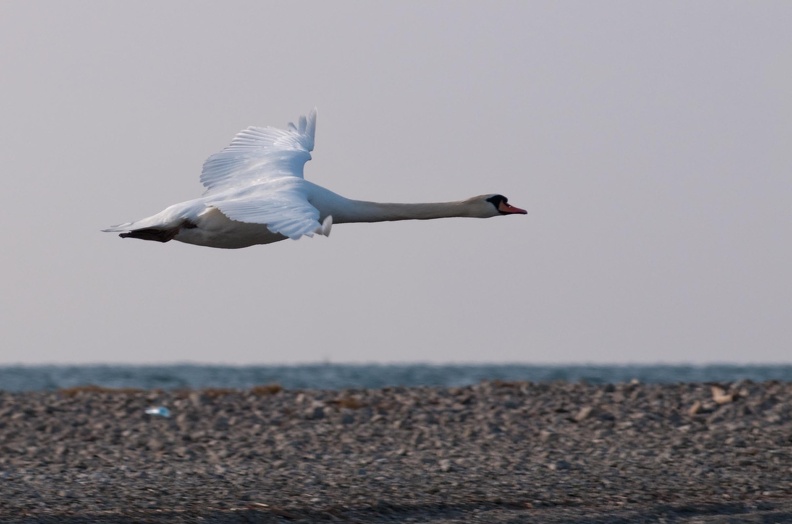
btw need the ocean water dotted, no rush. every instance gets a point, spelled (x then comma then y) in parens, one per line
(338, 376)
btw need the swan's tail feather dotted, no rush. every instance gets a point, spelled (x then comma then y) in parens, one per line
(145, 230)
(119, 228)
(152, 233)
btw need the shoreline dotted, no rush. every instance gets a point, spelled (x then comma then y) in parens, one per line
(493, 452)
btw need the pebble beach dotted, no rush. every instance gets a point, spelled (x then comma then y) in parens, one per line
(494, 452)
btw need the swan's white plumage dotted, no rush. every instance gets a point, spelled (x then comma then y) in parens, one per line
(279, 202)
(267, 160)
(256, 194)
(258, 153)
(256, 179)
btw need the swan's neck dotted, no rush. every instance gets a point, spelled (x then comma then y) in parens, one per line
(345, 210)
(362, 211)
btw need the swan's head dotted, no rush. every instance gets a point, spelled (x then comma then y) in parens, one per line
(494, 205)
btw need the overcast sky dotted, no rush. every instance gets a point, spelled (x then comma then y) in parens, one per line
(649, 141)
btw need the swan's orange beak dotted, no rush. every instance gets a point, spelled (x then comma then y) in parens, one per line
(506, 209)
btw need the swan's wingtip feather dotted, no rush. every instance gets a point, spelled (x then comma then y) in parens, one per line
(327, 225)
(311, 127)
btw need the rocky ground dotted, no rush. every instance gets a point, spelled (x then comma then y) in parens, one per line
(491, 453)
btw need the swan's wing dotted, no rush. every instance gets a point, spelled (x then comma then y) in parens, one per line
(284, 212)
(258, 153)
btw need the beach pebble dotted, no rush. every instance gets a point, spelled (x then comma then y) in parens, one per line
(583, 414)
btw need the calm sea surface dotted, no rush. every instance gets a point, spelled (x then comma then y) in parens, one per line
(336, 376)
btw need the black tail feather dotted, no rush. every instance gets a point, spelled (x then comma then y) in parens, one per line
(152, 233)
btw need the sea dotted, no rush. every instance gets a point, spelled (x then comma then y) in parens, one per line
(357, 376)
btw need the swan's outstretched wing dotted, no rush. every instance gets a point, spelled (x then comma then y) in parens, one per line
(284, 210)
(258, 153)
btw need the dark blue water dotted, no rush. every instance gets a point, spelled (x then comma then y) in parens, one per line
(337, 376)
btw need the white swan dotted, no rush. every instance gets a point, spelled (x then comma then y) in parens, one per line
(256, 194)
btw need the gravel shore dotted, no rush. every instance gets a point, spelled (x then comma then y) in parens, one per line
(492, 453)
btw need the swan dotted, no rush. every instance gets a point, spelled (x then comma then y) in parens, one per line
(256, 194)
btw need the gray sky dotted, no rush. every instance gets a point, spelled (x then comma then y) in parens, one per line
(650, 142)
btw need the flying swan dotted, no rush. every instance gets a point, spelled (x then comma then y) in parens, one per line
(256, 194)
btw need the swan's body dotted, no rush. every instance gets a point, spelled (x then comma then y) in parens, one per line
(256, 194)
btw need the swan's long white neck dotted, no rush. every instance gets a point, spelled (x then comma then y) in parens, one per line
(345, 210)
(362, 211)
